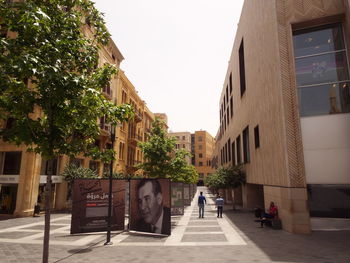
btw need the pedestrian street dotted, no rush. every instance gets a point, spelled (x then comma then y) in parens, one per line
(187, 230)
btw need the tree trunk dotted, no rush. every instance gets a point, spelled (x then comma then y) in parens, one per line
(48, 190)
(233, 198)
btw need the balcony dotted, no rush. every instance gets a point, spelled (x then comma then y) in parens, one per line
(104, 127)
(134, 139)
(138, 116)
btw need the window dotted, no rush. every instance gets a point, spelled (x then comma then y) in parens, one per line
(233, 154)
(256, 137)
(225, 153)
(200, 163)
(121, 150)
(200, 138)
(45, 167)
(78, 162)
(228, 116)
(107, 89)
(227, 94)
(106, 167)
(200, 155)
(124, 97)
(222, 157)
(321, 68)
(242, 68)
(238, 149)
(184, 137)
(200, 147)
(229, 149)
(231, 106)
(246, 153)
(183, 146)
(10, 163)
(94, 165)
(230, 82)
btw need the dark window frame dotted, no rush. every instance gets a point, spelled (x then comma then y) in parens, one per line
(242, 69)
(246, 148)
(257, 137)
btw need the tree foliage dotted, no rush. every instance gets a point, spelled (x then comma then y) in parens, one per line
(162, 160)
(181, 171)
(72, 172)
(50, 79)
(226, 177)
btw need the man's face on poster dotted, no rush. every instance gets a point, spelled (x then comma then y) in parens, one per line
(150, 205)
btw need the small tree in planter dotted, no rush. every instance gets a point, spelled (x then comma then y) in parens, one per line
(215, 182)
(228, 178)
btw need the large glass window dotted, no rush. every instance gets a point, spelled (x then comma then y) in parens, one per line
(322, 72)
(10, 163)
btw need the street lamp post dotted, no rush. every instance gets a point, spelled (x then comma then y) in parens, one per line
(108, 241)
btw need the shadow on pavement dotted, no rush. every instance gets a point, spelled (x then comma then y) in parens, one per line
(282, 246)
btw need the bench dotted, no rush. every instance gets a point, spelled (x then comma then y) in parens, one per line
(274, 223)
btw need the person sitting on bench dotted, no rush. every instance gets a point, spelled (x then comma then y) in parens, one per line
(273, 213)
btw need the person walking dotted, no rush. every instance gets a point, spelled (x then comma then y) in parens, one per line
(219, 202)
(201, 202)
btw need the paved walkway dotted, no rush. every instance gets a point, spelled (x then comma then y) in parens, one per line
(233, 238)
(187, 230)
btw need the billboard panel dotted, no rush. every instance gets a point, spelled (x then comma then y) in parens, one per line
(187, 197)
(150, 205)
(90, 205)
(177, 200)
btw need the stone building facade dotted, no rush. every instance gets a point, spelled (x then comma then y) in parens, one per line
(284, 109)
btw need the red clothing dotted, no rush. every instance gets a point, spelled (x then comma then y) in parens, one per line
(273, 210)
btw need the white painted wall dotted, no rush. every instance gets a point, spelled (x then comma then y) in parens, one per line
(326, 142)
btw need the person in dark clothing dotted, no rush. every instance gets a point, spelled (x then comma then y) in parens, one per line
(201, 202)
(219, 202)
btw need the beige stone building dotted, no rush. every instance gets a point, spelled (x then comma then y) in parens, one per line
(183, 141)
(23, 174)
(284, 108)
(202, 153)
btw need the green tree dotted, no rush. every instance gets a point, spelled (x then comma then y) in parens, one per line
(162, 160)
(72, 172)
(157, 152)
(180, 170)
(50, 82)
(227, 178)
(215, 182)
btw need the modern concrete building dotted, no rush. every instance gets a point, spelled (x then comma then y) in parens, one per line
(23, 174)
(284, 108)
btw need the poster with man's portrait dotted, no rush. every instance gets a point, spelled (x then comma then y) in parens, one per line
(177, 199)
(90, 205)
(150, 205)
(187, 197)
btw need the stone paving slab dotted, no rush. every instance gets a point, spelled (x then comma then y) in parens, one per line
(203, 238)
(203, 223)
(203, 229)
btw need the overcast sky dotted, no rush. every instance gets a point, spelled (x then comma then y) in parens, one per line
(176, 54)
